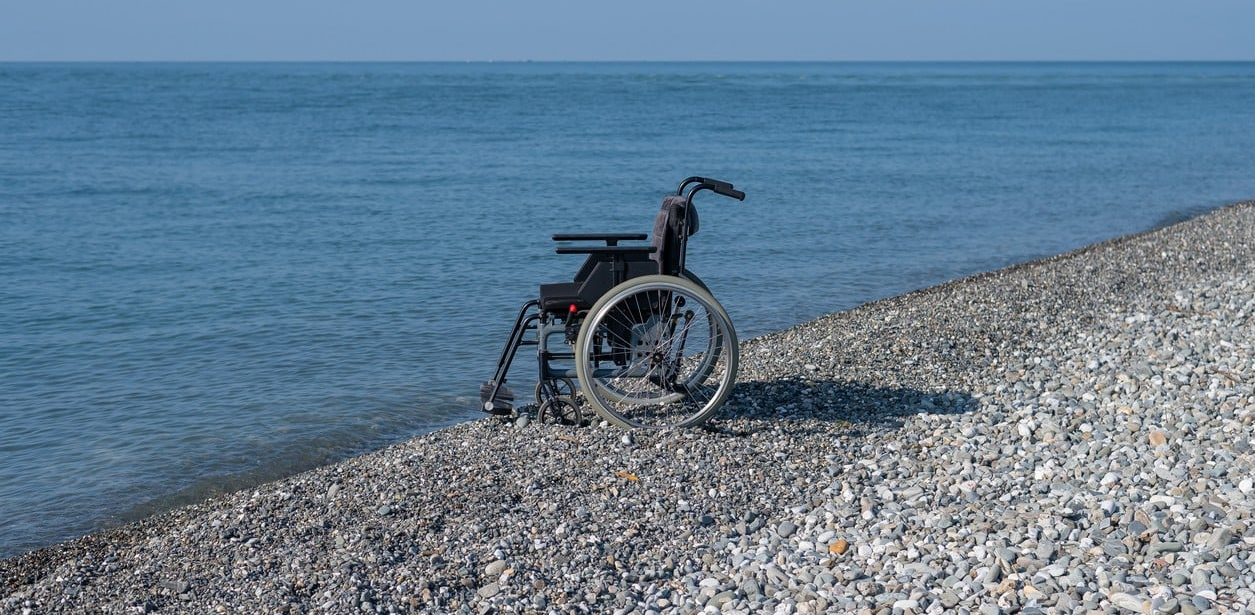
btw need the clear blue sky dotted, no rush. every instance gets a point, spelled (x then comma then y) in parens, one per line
(634, 30)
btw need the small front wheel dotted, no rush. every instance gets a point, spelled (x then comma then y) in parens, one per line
(561, 410)
(656, 352)
(554, 387)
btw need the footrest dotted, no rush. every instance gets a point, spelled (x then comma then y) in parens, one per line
(502, 404)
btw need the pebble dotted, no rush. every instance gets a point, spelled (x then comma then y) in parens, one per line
(1130, 603)
(1066, 436)
(1167, 547)
(495, 568)
(1220, 539)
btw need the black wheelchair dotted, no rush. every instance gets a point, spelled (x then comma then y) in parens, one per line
(648, 344)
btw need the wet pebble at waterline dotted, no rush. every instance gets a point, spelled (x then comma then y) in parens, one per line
(1069, 436)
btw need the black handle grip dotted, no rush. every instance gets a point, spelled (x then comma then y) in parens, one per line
(724, 188)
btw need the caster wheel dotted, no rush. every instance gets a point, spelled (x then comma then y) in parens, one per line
(556, 387)
(561, 410)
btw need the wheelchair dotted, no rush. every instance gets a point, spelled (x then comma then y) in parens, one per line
(645, 340)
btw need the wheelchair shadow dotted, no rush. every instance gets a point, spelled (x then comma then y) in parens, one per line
(806, 404)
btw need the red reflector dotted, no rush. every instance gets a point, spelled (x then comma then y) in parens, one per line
(573, 309)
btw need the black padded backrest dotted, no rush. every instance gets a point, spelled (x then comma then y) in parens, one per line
(667, 228)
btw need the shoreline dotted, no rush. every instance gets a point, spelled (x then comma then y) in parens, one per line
(957, 446)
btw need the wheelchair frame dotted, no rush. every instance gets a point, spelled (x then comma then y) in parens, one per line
(621, 329)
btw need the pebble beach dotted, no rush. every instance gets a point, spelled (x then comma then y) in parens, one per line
(1070, 435)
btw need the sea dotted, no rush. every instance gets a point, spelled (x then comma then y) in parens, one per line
(218, 274)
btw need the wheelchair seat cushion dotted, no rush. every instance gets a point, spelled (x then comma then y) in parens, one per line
(561, 296)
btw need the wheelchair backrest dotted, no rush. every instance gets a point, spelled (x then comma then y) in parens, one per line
(675, 223)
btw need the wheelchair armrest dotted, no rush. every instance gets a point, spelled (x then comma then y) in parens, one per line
(611, 239)
(611, 250)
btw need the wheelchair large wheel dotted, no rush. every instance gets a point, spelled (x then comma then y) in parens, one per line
(709, 357)
(656, 352)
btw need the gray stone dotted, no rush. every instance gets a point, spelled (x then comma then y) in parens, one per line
(1167, 547)
(177, 587)
(495, 568)
(1220, 539)
(720, 599)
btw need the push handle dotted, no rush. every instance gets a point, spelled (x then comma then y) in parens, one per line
(732, 192)
(715, 185)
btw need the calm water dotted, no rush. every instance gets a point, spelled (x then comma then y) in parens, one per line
(215, 274)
